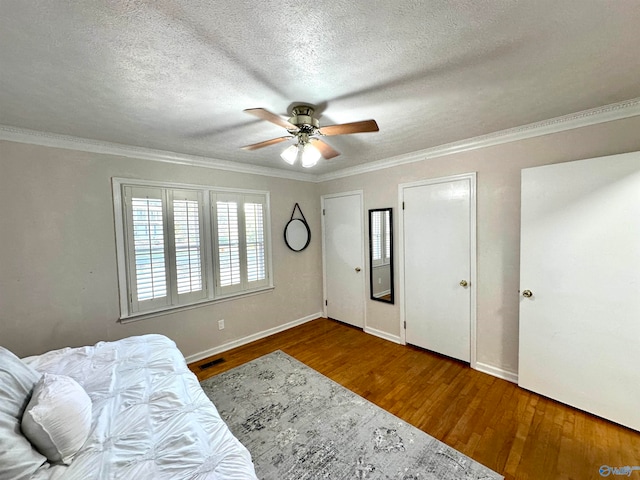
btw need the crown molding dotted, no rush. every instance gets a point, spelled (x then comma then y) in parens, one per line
(607, 113)
(45, 139)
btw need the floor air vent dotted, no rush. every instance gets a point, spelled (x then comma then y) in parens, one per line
(210, 364)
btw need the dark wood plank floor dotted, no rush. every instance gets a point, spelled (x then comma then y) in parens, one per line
(517, 433)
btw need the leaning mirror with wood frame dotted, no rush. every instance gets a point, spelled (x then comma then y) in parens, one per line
(381, 254)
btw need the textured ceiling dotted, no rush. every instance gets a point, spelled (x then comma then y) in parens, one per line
(176, 75)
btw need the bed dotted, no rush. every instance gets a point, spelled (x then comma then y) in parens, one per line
(129, 409)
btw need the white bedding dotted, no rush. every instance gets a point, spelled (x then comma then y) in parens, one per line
(151, 419)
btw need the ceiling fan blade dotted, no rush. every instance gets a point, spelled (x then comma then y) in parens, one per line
(266, 143)
(270, 117)
(326, 150)
(353, 127)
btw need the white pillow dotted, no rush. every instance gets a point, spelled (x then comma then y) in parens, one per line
(18, 459)
(57, 420)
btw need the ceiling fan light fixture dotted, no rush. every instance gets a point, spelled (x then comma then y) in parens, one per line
(310, 155)
(305, 128)
(290, 154)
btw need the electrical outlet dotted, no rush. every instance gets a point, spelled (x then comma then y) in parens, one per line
(221, 324)
(379, 281)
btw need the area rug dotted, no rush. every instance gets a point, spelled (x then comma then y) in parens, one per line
(299, 424)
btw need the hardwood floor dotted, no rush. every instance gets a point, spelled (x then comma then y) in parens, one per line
(515, 432)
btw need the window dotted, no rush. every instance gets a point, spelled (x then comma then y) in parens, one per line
(387, 238)
(254, 225)
(148, 248)
(239, 236)
(380, 239)
(188, 234)
(174, 241)
(228, 243)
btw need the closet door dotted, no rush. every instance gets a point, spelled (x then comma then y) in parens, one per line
(580, 285)
(438, 234)
(343, 257)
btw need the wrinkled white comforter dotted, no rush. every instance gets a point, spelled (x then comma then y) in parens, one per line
(151, 419)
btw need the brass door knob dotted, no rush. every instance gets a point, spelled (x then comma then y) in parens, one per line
(463, 283)
(357, 269)
(527, 293)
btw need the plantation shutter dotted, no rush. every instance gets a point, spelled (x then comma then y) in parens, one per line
(227, 244)
(187, 245)
(180, 244)
(147, 248)
(387, 238)
(254, 222)
(239, 241)
(376, 239)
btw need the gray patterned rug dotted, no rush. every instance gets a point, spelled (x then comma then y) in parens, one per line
(299, 424)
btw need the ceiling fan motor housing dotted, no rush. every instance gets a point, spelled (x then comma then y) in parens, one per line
(302, 117)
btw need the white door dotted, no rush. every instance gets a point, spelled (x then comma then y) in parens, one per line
(580, 260)
(343, 246)
(437, 240)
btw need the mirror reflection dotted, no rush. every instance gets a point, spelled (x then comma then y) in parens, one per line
(297, 234)
(381, 254)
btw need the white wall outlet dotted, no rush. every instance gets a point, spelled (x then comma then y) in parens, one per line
(221, 324)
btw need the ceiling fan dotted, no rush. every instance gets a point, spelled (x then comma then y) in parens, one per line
(306, 129)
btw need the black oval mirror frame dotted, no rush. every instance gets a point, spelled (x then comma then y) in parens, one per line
(297, 234)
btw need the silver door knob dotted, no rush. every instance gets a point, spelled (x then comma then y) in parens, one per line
(357, 269)
(527, 293)
(463, 283)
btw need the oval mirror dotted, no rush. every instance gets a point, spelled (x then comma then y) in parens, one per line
(297, 234)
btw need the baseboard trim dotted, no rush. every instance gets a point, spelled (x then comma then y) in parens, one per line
(497, 372)
(251, 338)
(383, 335)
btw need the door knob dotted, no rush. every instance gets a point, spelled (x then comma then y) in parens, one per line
(527, 293)
(357, 269)
(463, 283)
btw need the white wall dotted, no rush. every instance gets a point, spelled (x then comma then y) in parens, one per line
(498, 216)
(381, 280)
(58, 281)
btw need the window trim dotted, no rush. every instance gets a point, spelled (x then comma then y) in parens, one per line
(212, 296)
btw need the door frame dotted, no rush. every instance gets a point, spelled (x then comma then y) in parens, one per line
(360, 194)
(472, 253)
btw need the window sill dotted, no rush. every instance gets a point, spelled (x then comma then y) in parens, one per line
(168, 311)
